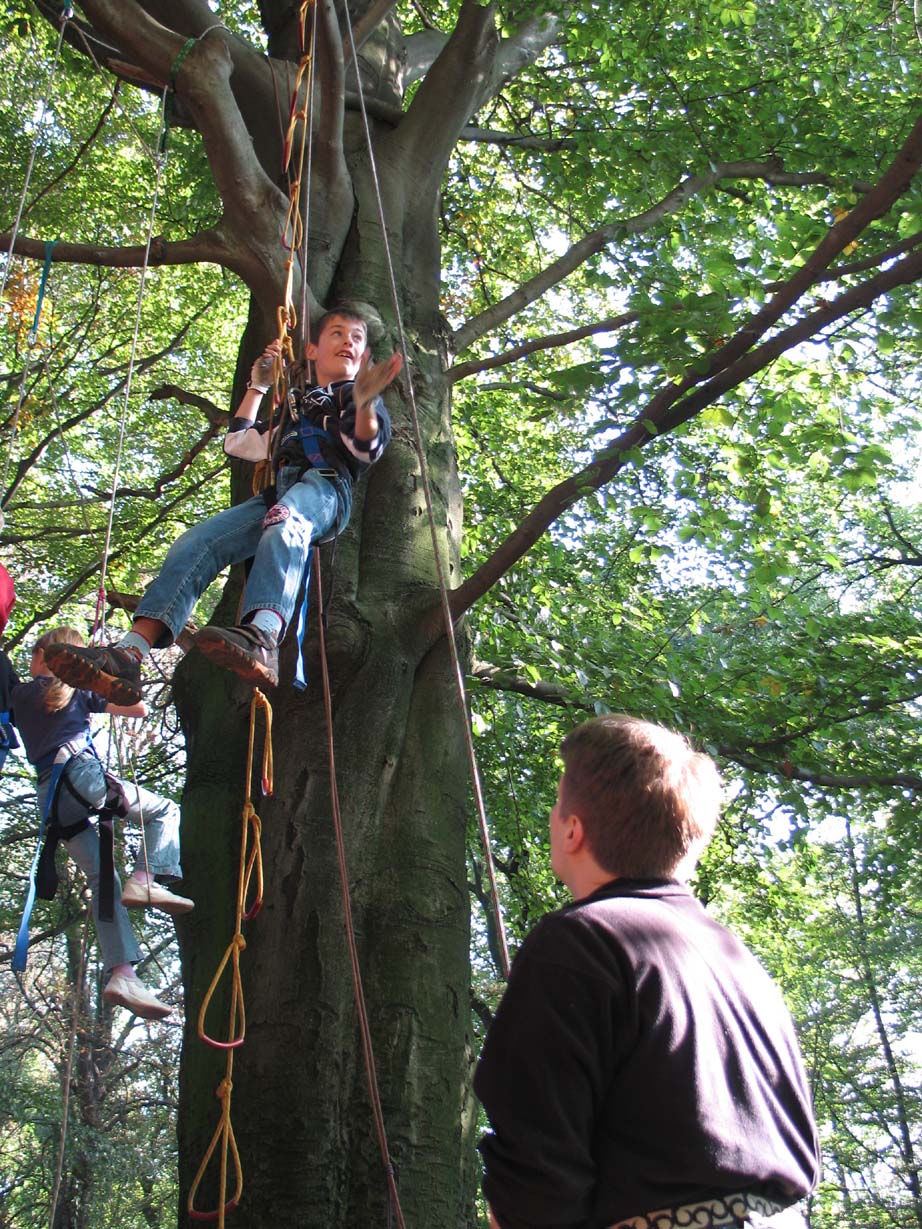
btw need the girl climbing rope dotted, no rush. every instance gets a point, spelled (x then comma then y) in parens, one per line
(54, 723)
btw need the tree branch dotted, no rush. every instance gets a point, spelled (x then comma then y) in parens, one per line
(548, 693)
(172, 392)
(597, 240)
(208, 245)
(365, 26)
(461, 370)
(521, 50)
(831, 780)
(447, 96)
(552, 693)
(666, 411)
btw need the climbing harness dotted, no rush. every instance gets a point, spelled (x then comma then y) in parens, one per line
(43, 878)
(250, 863)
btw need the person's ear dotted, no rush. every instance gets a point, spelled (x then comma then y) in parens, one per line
(310, 351)
(574, 833)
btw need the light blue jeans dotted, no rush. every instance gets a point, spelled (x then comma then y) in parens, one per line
(160, 819)
(315, 507)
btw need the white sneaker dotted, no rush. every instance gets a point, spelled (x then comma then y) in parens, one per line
(131, 992)
(138, 895)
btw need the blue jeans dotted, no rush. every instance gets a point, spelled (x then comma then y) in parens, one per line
(316, 507)
(160, 818)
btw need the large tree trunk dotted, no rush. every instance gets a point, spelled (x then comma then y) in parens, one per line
(300, 1106)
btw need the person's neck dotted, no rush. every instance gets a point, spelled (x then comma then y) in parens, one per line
(587, 878)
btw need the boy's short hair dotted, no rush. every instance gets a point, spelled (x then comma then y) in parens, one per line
(644, 795)
(348, 309)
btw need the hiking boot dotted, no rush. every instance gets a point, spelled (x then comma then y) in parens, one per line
(130, 992)
(112, 673)
(138, 895)
(247, 650)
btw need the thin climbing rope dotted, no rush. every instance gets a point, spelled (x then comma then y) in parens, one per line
(443, 585)
(250, 861)
(68, 1070)
(294, 230)
(100, 617)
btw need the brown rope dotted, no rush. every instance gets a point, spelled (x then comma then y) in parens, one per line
(361, 1008)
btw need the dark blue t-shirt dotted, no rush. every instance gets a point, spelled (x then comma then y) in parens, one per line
(43, 732)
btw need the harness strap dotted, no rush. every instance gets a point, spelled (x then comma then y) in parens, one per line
(311, 435)
(115, 804)
(300, 673)
(6, 741)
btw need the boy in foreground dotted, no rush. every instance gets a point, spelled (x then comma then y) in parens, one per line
(642, 1070)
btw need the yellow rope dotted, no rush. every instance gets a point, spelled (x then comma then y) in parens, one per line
(299, 120)
(250, 861)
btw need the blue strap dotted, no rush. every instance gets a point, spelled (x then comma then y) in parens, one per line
(310, 442)
(21, 951)
(300, 675)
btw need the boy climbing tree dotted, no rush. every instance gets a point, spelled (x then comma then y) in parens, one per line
(337, 428)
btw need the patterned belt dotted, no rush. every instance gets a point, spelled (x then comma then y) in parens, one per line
(728, 1212)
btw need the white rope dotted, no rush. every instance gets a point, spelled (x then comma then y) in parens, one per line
(443, 586)
(68, 1070)
(104, 562)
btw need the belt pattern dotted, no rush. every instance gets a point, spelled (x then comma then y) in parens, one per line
(728, 1212)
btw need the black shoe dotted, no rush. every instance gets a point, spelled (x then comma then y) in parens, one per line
(112, 673)
(247, 650)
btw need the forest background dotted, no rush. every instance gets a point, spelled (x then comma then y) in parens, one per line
(658, 269)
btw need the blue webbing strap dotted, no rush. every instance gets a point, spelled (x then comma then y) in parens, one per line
(4, 738)
(300, 674)
(21, 951)
(310, 442)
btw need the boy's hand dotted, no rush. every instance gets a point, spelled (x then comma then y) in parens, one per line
(373, 378)
(262, 373)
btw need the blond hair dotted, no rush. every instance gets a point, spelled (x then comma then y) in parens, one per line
(57, 694)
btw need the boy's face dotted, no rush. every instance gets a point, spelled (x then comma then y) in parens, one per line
(338, 350)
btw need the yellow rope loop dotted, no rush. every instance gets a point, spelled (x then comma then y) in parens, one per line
(238, 1025)
(260, 701)
(224, 1132)
(302, 21)
(296, 114)
(250, 863)
(254, 860)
